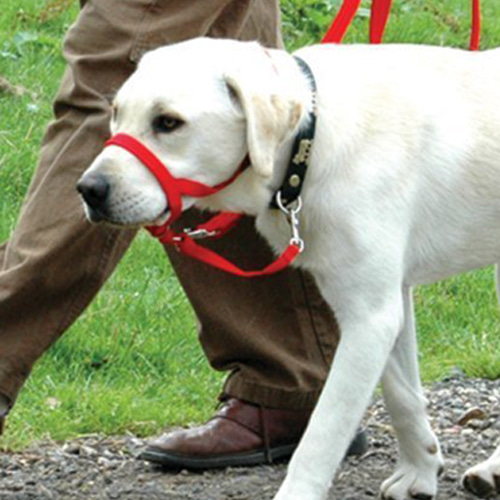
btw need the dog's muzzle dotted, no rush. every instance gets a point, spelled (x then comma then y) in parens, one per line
(173, 187)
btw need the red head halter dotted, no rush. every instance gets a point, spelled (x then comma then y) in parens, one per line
(174, 189)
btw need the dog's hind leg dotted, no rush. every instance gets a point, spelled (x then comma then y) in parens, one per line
(484, 479)
(420, 457)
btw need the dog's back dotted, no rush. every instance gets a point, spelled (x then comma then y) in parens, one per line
(417, 128)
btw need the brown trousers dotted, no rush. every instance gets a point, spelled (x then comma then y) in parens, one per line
(274, 335)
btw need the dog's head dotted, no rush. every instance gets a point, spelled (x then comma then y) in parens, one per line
(200, 106)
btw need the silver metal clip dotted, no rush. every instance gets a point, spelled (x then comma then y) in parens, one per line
(293, 219)
(199, 234)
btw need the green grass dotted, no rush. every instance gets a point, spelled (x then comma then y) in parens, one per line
(132, 361)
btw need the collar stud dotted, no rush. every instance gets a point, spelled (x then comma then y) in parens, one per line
(294, 180)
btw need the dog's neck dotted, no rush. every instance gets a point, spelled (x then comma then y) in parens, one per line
(250, 193)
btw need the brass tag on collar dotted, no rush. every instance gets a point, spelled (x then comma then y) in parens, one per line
(302, 155)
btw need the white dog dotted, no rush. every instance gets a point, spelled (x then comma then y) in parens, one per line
(403, 188)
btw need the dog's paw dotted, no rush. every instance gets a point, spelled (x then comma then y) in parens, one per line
(410, 482)
(483, 480)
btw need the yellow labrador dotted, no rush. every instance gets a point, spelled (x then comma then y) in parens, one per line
(403, 188)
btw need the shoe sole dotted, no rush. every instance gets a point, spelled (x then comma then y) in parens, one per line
(257, 457)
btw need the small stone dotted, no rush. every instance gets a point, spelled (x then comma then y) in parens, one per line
(455, 373)
(87, 451)
(72, 448)
(474, 413)
(103, 462)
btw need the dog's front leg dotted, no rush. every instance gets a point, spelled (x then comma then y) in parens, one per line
(420, 456)
(369, 328)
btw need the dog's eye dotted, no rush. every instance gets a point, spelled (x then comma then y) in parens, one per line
(165, 124)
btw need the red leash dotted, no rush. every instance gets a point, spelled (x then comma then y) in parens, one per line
(189, 247)
(379, 15)
(341, 22)
(476, 25)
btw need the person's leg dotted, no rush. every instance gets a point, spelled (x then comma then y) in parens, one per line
(4, 402)
(39, 266)
(55, 261)
(275, 335)
(277, 339)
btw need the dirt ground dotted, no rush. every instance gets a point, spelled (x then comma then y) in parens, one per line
(103, 468)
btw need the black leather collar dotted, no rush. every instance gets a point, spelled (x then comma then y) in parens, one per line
(301, 151)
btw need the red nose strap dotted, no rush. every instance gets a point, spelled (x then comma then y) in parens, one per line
(174, 188)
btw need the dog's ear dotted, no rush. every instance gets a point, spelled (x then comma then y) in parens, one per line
(271, 116)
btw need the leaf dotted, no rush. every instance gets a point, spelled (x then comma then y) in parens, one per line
(7, 54)
(22, 38)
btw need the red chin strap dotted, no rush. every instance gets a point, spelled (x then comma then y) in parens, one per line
(174, 188)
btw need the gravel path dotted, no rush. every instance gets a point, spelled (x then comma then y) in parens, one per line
(102, 468)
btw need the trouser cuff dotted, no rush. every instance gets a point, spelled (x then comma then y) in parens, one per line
(268, 396)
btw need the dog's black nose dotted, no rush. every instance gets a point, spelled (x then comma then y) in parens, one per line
(94, 190)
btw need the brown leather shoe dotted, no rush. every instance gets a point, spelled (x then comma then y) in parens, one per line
(240, 433)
